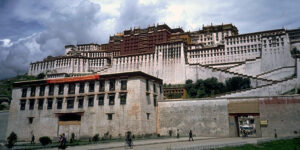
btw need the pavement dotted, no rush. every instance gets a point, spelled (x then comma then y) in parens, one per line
(172, 144)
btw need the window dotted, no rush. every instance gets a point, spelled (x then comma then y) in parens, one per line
(147, 85)
(51, 89)
(41, 104)
(42, 90)
(123, 84)
(123, 98)
(109, 116)
(148, 99)
(70, 103)
(91, 101)
(50, 103)
(59, 103)
(80, 102)
(154, 101)
(30, 120)
(32, 92)
(24, 92)
(154, 87)
(101, 86)
(148, 116)
(111, 98)
(60, 89)
(100, 100)
(31, 104)
(81, 87)
(23, 104)
(91, 86)
(160, 89)
(111, 85)
(72, 88)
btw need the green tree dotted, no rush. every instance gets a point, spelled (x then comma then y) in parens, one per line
(295, 52)
(41, 76)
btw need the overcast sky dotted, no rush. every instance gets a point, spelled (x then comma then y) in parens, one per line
(32, 30)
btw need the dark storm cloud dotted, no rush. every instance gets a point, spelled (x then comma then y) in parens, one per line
(62, 22)
(134, 14)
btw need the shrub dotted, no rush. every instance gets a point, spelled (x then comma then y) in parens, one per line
(72, 138)
(96, 138)
(45, 140)
(11, 139)
(170, 132)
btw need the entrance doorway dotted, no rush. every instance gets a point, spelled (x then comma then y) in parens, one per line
(68, 124)
(244, 125)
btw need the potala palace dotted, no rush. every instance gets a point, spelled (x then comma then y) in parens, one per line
(117, 86)
(175, 56)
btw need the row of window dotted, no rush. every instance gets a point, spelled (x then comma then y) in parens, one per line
(70, 101)
(71, 88)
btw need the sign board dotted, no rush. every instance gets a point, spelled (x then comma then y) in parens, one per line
(264, 123)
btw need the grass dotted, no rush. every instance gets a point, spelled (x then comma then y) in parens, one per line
(290, 144)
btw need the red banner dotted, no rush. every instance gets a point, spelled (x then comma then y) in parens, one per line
(74, 79)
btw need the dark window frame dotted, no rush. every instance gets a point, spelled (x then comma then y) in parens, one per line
(51, 89)
(91, 100)
(123, 101)
(101, 85)
(148, 116)
(91, 86)
(111, 101)
(72, 87)
(147, 85)
(31, 104)
(80, 102)
(70, 103)
(109, 116)
(49, 103)
(24, 92)
(32, 91)
(22, 104)
(81, 87)
(123, 85)
(101, 101)
(112, 85)
(42, 90)
(59, 103)
(154, 100)
(61, 88)
(40, 104)
(154, 87)
(30, 120)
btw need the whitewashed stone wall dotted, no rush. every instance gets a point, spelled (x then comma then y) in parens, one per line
(203, 117)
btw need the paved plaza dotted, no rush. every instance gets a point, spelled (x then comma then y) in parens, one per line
(173, 143)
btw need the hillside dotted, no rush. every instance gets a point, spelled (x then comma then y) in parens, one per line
(6, 84)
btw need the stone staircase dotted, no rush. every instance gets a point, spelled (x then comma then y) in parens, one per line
(272, 89)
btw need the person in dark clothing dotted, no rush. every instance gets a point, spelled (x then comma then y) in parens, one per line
(129, 139)
(62, 141)
(32, 139)
(191, 135)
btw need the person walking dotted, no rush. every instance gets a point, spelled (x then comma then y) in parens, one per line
(191, 135)
(62, 141)
(129, 139)
(32, 139)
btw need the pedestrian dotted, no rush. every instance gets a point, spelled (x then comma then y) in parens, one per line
(129, 139)
(62, 141)
(191, 135)
(32, 139)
